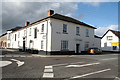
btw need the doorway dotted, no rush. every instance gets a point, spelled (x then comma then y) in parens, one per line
(23, 45)
(77, 48)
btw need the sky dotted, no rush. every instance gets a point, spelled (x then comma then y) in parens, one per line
(102, 15)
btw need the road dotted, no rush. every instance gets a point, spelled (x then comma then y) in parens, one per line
(67, 67)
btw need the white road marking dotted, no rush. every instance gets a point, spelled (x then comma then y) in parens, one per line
(109, 59)
(82, 65)
(19, 63)
(5, 63)
(48, 75)
(66, 64)
(8, 56)
(90, 73)
(14, 60)
(48, 70)
(1, 56)
(48, 67)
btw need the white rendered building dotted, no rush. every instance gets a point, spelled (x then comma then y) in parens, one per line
(55, 34)
(110, 41)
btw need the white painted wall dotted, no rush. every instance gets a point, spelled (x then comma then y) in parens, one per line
(54, 28)
(104, 40)
(97, 43)
(57, 35)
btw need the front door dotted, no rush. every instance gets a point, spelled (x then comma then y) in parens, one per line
(77, 48)
(23, 45)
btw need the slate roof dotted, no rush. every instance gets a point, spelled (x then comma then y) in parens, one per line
(65, 18)
(97, 36)
(3, 34)
(15, 29)
(117, 33)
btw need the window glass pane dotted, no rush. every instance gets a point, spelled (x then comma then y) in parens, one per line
(41, 44)
(30, 32)
(35, 33)
(87, 33)
(64, 45)
(64, 28)
(77, 30)
(42, 29)
(109, 37)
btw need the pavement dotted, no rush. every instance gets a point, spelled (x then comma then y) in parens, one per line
(67, 67)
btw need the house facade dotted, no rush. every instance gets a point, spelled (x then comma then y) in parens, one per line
(3, 41)
(53, 35)
(110, 41)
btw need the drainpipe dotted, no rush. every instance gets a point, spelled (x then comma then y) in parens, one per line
(47, 38)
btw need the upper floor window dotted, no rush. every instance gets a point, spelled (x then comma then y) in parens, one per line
(30, 32)
(42, 29)
(15, 37)
(24, 32)
(8, 36)
(77, 31)
(109, 37)
(64, 45)
(64, 28)
(18, 34)
(35, 33)
(87, 33)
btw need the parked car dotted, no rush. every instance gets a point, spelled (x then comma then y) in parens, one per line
(94, 51)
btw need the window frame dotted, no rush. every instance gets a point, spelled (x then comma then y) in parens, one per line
(15, 37)
(109, 37)
(35, 33)
(78, 30)
(86, 47)
(42, 44)
(64, 45)
(30, 32)
(87, 32)
(65, 29)
(42, 28)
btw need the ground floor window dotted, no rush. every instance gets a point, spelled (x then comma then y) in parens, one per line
(64, 45)
(41, 44)
(8, 44)
(86, 45)
(5, 44)
(114, 47)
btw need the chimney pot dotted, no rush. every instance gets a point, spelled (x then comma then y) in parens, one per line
(50, 12)
(27, 23)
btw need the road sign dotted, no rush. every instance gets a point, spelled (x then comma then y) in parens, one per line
(114, 43)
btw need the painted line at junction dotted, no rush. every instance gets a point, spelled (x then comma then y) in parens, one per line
(109, 59)
(65, 64)
(89, 74)
(84, 65)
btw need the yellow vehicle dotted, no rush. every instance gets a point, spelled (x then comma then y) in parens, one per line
(94, 51)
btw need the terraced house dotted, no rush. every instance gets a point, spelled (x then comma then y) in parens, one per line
(54, 34)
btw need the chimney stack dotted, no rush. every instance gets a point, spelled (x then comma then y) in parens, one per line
(27, 23)
(50, 12)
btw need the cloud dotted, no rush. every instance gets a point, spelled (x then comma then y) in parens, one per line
(16, 13)
(101, 30)
(60, 0)
(96, 4)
